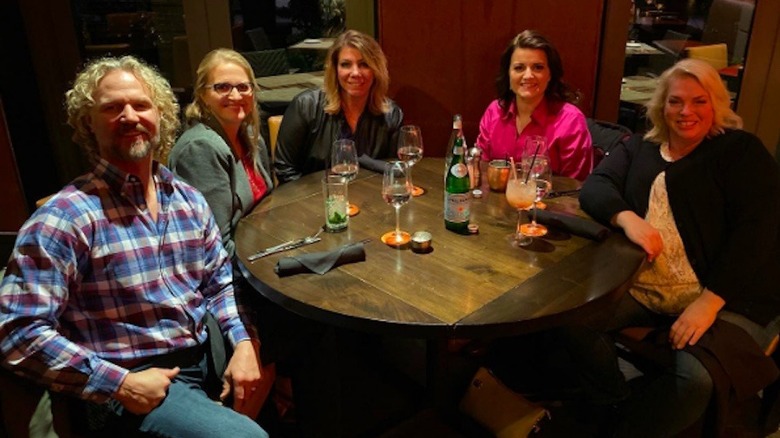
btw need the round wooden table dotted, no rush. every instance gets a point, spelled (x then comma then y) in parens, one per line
(468, 286)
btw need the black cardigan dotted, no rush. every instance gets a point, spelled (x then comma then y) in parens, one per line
(725, 198)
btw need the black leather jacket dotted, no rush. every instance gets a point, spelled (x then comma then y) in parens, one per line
(307, 134)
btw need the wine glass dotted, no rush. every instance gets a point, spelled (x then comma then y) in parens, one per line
(521, 195)
(396, 191)
(344, 162)
(536, 167)
(410, 150)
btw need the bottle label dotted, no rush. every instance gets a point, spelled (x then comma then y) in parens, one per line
(457, 207)
(459, 170)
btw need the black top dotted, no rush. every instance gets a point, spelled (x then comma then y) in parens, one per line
(307, 135)
(725, 198)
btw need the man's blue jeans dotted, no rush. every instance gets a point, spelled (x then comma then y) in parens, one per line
(185, 412)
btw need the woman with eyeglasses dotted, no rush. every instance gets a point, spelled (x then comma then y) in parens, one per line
(221, 153)
(352, 104)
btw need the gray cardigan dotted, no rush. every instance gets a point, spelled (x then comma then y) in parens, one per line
(202, 158)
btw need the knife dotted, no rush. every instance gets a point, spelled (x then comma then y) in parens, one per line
(283, 247)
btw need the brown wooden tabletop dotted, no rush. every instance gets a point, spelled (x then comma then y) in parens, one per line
(469, 286)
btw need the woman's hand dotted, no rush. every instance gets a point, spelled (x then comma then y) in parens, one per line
(640, 232)
(696, 319)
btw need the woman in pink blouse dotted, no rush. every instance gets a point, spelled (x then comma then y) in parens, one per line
(534, 100)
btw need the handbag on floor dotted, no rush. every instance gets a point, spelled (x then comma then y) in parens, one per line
(499, 409)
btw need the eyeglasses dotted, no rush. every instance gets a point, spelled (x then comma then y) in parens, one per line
(224, 88)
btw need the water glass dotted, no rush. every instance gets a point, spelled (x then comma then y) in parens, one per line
(334, 192)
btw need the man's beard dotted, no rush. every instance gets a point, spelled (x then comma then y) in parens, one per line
(139, 150)
(141, 147)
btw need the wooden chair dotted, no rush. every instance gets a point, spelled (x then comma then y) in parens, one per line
(42, 201)
(274, 122)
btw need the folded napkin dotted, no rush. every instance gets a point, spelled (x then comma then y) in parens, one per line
(573, 224)
(369, 163)
(320, 262)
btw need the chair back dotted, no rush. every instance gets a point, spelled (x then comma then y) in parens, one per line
(259, 38)
(716, 55)
(729, 21)
(274, 122)
(268, 62)
(605, 136)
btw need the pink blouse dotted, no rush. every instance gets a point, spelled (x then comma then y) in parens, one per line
(568, 139)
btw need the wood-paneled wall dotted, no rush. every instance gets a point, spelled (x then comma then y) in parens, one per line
(443, 54)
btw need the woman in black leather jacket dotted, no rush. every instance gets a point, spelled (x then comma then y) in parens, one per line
(353, 104)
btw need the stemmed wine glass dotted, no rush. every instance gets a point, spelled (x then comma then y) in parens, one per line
(396, 191)
(410, 150)
(536, 167)
(344, 162)
(521, 195)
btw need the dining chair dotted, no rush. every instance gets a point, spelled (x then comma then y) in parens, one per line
(42, 201)
(274, 123)
(605, 136)
(729, 21)
(259, 38)
(716, 55)
(270, 62)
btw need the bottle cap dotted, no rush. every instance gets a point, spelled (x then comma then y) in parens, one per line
(477, 193)
(473, 228)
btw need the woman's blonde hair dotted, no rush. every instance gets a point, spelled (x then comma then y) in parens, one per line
(377, 62)
(79, 101)
(198, 111)
(710, 80)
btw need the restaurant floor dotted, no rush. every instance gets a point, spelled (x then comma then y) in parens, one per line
(381, 395)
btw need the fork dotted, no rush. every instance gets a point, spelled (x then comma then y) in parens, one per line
(290, 244)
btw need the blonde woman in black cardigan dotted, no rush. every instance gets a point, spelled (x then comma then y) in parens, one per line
(702, 198)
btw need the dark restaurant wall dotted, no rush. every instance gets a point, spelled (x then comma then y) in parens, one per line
(443, 54)
(38, 45)
(12, 203)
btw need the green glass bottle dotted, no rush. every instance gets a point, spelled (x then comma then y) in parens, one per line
(457, 201)
(457, 132)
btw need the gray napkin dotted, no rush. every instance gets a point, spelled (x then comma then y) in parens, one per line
(373, 164)
(320, 262)
(573, 224)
